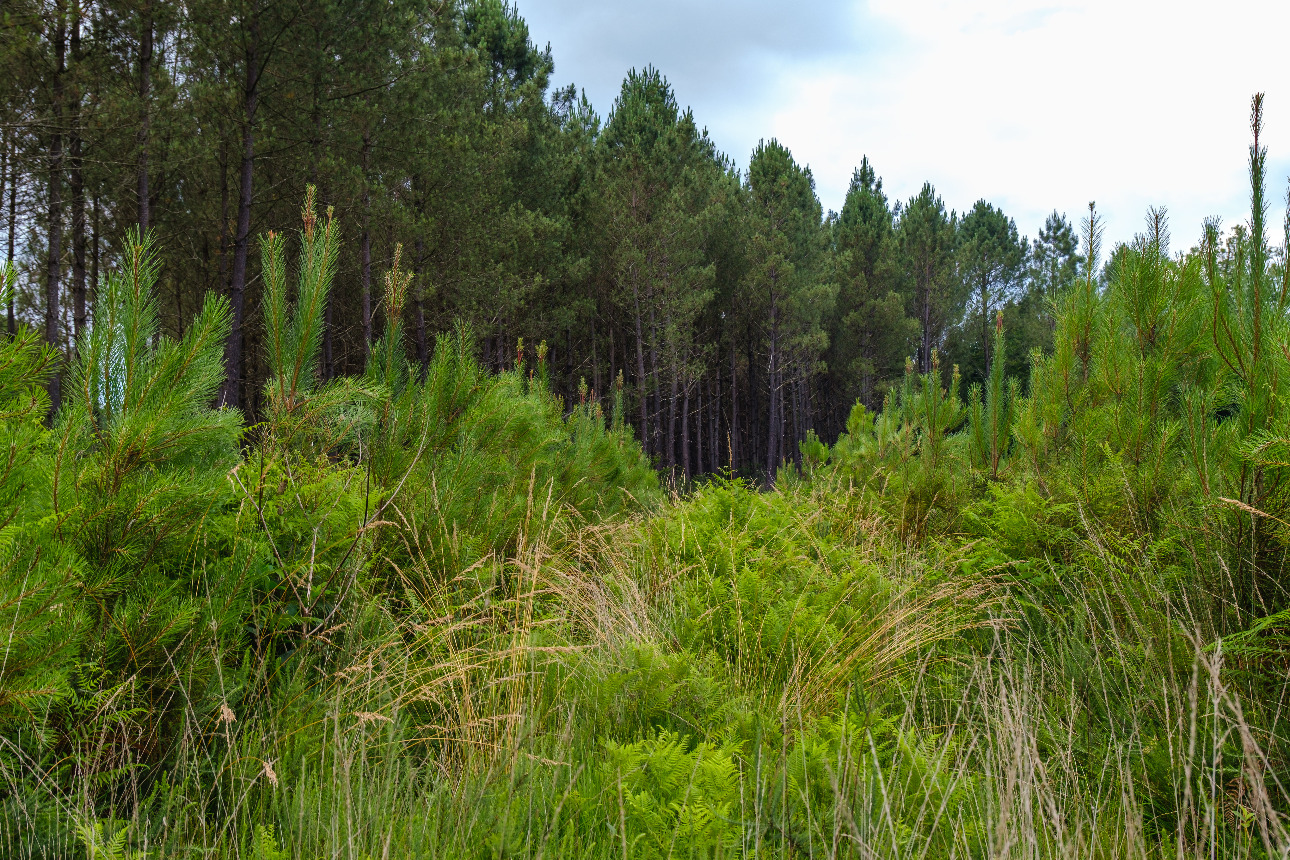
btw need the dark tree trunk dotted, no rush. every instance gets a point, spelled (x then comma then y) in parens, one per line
(242, 238)
(685, 435)
(595, 358)
(613, 357)
(78, 190)
(670, 441)
(776, 395)
(714, 421)
(11, 150)
(55, 213)
(365, 247)
(926, 357)
(754, 387)
(732, 443)
(640, 371)
(94, 251)
(423, 348)
(145, 120)
(656, 442)
(222, 247)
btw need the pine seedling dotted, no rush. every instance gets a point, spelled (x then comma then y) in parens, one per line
(294, 334)
(134, 384)
(996, 415)
(388, 364)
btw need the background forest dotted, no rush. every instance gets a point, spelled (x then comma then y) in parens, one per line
(738, 313)
(397, 462)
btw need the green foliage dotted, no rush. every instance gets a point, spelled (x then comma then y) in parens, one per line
(437, 611)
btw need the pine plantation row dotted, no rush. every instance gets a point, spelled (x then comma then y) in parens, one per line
(739, 314)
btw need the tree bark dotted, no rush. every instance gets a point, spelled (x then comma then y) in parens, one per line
(685, 432)
(714, 422)
(75, 164)
(423, 348)
(145, 119)
(670, 441)
(640, 370)
(732, 443)
(11, 149)
(94, 252)
(242, 238)
(55, 200)
(365, 246)
(776, 395)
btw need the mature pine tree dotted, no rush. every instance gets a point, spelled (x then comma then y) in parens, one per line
(655, 170)
(870, 334)
(787, 286)
(990, 257)
(926, 234)
(1053, 266)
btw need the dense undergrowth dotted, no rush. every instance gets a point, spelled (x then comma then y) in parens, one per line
(431, 612)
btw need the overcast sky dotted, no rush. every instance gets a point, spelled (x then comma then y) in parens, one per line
(1032, 105)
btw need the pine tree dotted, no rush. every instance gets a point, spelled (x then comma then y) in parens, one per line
(990, 257)
(870, 334)
(926, 234)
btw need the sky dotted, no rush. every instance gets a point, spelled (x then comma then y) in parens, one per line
(1034, 106)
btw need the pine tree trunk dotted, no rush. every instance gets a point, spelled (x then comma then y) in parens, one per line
(670, 441)
(145, 121)
(94, 252)
(699, 427)
(11, 150)
(926, 357)
(640, 370)
(732, 443)
(773, 424)
(365, 246)
(78, 190)
(656, 443)
(242, 239)
(423, 348)
(55, 214)
(753, 387)
(985, 325)
(595, 359)
(222, 245)
(714, 422)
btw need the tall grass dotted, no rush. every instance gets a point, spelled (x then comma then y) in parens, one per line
(564, 720)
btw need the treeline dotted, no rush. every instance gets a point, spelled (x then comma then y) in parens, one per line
(734, 314)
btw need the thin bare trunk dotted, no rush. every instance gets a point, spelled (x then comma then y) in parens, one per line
(685, 434)
(11, 149)
(423, 348)
(145, 120)
(77, 188)
(732, 443)
(774, 424)
(94, 251)
(365, 246)
(714, 419)
(55, 214)
(671, 421)
(242, 239)
(640, 370)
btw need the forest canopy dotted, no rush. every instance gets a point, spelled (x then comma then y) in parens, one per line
(740, 315)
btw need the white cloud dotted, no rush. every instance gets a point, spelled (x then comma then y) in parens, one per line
(1032, 105)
